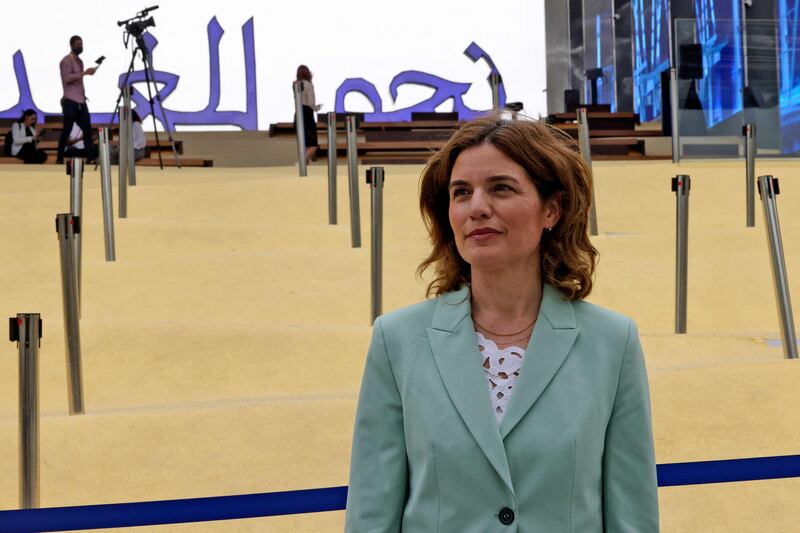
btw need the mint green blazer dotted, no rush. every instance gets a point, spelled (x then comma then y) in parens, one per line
(574, 452)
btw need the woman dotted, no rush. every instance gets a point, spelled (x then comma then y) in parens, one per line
(506, 403)
(25, 137)
(139, 140)
(310, 105)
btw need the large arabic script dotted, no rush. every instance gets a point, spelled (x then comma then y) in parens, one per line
(443, 90)
(165, 84)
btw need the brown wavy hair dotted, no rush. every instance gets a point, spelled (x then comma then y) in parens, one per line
(551, 159)
(304, 73)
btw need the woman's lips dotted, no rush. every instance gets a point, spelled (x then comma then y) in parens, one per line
(482, 235)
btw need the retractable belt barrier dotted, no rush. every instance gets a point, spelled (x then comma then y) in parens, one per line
(130, 156)
(299, 126)
(352, 173)
(332, 159)
(673, 97)
(375, 180)
(681, 185)
(749, 132)
(26, 330)
(122, 153)
(105, 185)
(67, 227)
(586, 152)
(75, 171)
(330, 499)
(494, 82)
(769, 190)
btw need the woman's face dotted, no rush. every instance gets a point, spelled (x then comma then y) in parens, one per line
(496, 213)
(29, 120)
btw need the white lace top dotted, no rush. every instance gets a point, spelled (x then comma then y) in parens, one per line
(501, 367)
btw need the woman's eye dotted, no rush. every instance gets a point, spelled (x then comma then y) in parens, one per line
(502, 187)
(459, 192)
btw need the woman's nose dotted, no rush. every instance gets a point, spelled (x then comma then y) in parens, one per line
(479, 206)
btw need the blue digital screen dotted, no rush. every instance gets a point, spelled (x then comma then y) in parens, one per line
(598, 31)
(650, 55)
(718, 30)
(788, 28)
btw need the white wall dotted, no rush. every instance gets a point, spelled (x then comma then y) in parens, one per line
(350, 38)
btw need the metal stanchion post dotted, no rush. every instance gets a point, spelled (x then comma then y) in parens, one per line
(494, 83)
(681, 185)
(332, 159)
(299, 127)
(586, 152)
(67, 226)
(26, 331)
(130, 158)
(768, 189)
(76, 207)
(375, 179)
(122, 152)
(749, 132)
(352, 171)
(105, 185)
(673, 95)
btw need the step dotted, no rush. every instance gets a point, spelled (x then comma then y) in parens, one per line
(130, 364)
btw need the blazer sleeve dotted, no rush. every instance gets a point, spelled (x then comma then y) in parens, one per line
(630, 486)
(312, 98)
(378, 466)
(19, 135)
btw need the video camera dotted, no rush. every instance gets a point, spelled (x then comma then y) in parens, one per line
(138, 24)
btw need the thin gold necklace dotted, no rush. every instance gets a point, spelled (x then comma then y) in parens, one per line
(502, 334)
(519, 342)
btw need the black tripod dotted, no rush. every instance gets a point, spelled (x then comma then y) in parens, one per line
(141, 46)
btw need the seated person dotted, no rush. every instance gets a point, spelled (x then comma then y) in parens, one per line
(24, 138)
(75, 146)
(139, 141)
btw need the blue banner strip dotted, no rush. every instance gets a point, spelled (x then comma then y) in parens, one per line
(330, 499)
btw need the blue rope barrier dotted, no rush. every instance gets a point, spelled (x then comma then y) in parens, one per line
(173, 511)
(728, 471)
(330, 499)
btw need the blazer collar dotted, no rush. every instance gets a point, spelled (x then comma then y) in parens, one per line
(550, 343)
(455, 350)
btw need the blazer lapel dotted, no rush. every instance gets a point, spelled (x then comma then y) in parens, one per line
(455, 350)
(552, 339)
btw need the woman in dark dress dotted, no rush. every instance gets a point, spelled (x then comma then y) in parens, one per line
(310, 105)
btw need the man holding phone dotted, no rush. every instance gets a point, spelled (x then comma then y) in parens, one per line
(73, 103)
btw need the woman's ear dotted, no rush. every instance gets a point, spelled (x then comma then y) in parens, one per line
(552, 210)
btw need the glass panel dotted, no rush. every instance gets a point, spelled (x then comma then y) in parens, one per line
(598, 50)
(733, 72)
(650, 55)
(789, 68)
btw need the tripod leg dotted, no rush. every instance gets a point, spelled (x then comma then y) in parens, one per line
(152, 111)
(115, 114)
(149, 74)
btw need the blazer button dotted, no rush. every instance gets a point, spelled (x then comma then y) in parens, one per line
(506, 516)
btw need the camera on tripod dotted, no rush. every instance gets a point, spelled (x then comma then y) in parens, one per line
(137, 25)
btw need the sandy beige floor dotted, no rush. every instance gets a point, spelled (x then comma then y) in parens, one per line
(223, 350)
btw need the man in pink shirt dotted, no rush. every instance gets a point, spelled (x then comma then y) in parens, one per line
(73, 103)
